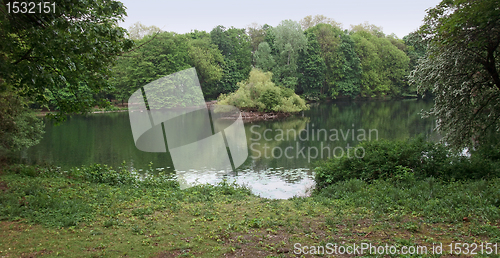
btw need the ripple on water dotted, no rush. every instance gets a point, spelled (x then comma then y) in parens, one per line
(272, 183)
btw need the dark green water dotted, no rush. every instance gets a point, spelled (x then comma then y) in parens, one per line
(281, 153)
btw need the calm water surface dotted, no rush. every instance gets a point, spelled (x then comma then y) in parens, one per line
(282, 153)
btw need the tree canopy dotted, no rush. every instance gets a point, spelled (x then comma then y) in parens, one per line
(461, 69)
(55, 56)
(58, 59)
(157, 57)
(321, 62)
(235, 46)
(289, 39)
(311, 67)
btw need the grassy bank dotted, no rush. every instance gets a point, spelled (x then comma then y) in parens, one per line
(99, 212)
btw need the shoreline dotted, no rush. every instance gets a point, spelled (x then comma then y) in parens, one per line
(247, 116)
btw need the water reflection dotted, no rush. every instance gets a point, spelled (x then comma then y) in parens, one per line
(333, 130)
(276, 183)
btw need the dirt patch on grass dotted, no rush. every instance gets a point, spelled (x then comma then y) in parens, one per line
(177, 253)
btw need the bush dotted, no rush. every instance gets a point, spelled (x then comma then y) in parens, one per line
(34, 170)
(261, 94)
(270, 98)
(102, 174)
(402, 160)
(19, 127)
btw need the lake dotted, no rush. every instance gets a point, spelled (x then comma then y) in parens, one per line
(282, 153)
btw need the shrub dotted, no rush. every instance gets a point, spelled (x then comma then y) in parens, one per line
(261, 94)
(405, 160)
(34, 170)
(270, 98)
(19, 127)
(103, 174)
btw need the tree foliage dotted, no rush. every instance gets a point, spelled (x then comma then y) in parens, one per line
(384, 66)
(207, 59)
(363, 62)
(19, 128)
(43, 53)
(311, 67)
(256, 34)
(264, 58)
(370, 28)
(416, 48)
(349, 70)
(289, 39)
(329, 42)
(162, 55)
(461, 69)
(59, 59)
(343, 70)
(235, 46)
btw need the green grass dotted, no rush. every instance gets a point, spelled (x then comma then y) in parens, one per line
(432, 199)
(100, 212)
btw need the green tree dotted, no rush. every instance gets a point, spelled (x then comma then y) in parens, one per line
(383, 65)
(394, 65)
(158, 56)
(19, 128)
(270, 37)
(51, 58)
(257, 35)
(264, 58)
(343, 70)
(397, 42)
(416, 48)
(312, 68)
(165, 53)
(234, 45)
(348, 80)
(219, 37)
(329, 41)
(208, 61)
(370, 28)
(461, 69)
(289, 40)
(45, 52)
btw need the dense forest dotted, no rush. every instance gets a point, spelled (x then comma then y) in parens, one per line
(77, 57)
(315, 57)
